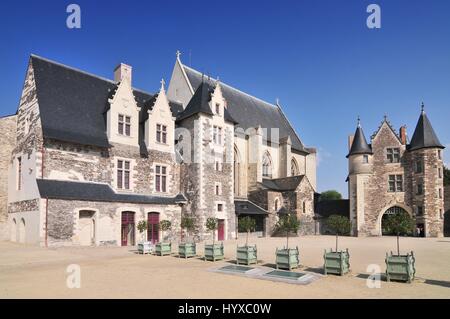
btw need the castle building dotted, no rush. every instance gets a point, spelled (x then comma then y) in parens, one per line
(390, 175)
(88, 158)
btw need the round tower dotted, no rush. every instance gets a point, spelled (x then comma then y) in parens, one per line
(426, 169)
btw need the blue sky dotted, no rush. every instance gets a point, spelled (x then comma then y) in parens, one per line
(318, 57)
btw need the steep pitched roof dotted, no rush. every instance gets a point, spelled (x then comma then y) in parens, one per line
(72, 103)
(283, 184)
(424, 135)
(246, 207)
(199, 103)
(359, 145)
(54, 189)
(250, 111)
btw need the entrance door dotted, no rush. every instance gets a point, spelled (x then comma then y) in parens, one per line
(87, 228)
(221, 230)
(127, 229)
(153, 227)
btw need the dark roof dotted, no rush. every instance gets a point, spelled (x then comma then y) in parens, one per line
(283, 184)
(199, 103)
(424, 135)
(54, 189)
(326, 208)
(249, 111)
(359, 145)
(246, 207)
(72, 103)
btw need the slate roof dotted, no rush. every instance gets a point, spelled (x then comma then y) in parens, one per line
(326, 208)
(359, 145)
(199, 103)
(54, 189)
(283, 184)
(72, 103)
(249, 111)
(246, 207)
(424, 135)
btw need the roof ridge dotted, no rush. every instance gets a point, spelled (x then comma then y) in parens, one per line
(232, 87)
(85, 72)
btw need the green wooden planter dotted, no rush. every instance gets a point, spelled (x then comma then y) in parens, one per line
(186, 250)
(336, 262)
(400, 267)
(287, 258)
(145, 247)
(162, 249)
(246, 255)
(214, 252)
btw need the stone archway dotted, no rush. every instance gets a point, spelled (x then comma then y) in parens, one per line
(86, 225)
(390, 209)
(13, 234)
(447, 224)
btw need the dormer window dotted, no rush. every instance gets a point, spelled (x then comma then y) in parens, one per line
(217, 108)
(161, 133)
(217, 135)
(124, 127)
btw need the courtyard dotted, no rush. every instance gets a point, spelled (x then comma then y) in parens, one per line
(119, 272)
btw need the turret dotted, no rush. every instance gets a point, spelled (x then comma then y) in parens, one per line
(426, 154)
(360, 154)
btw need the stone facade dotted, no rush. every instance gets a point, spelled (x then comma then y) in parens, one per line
(7, 142)
(370, 192)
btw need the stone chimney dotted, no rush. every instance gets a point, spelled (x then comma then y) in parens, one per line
(123, 72)
(350, 141)
(403, 136)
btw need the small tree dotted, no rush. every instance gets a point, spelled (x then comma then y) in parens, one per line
(212, 224)
(187, 223)
(142, 226)
(330, 195)
(288, 223)
(446, 176)
(339, 225)
(248, 225)
(165, 226)
(400, 224)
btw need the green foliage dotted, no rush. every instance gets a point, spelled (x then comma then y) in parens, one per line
(400, 224)
(165, 225)
(247, 224)
(142, 226)
(212, 224)
(330, 195)
(187, 223)
(339, 225)
(288, 223)
(446, 176)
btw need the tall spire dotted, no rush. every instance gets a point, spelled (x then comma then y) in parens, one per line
(424, 135)
(359, 145)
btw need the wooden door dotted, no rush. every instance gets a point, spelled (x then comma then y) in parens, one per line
(221, 230)
(127, 229)
(153, 227)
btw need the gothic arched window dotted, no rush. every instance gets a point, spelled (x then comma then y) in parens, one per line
(267, 165)
(294, 168)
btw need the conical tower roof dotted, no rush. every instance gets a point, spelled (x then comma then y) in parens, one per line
(359, 145)
(424, 135)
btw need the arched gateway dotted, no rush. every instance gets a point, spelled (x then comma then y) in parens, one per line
(391, 211)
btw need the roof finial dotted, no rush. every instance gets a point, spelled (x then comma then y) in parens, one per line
(162, 84)
(359, 121)
(423, 107)
(385, 117)
(178, 53)
(277, 101)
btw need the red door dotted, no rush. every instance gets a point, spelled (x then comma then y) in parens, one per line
(153, 227)
(221, 230)
(127, 229)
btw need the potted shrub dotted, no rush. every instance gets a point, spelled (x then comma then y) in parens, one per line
(215, 251)
(164, 248)
(337, 262)
(246, 254)
(400, 267)
(187, 249)
(144, 247)
(287, 258)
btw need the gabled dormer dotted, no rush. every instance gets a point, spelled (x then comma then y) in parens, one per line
(122, 117)
(160, 123)
(218, 102)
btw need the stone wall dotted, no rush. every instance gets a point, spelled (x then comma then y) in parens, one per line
(7, 142)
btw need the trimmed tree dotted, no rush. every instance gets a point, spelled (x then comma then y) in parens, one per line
(400, 224)
(248, 225)
(288, 223)
(330, 195)
(212, 224)
(142, 226)
(165, 226)
(187, 223)
(339, 225)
